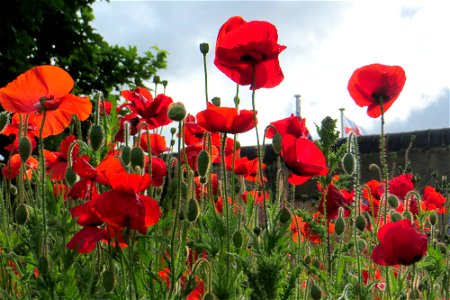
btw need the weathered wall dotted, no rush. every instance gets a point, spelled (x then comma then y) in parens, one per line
(430, 152)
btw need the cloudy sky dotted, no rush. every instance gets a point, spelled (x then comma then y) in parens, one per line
(326, 41)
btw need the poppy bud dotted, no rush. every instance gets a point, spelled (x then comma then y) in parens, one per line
(433, 218)
(108, 280)
(165, 83)
(257, 231)
(137, 157)
(24, 148)
(126, 155)
(348, 163)
(172, 142)
(307, 259)
(96, 137)
(71, 176)
(407, 215)
(373, 168)
(276, 143)
(210, 296)
(203, 163)
(237, 101)
(238, 239)
(204, 48)
(43, 265)
(21, 214)
(3, 120)
(284, 215)
(216, 101)
(193, 210)
(360, 223)
(393, 201)
(362, 244)
(316, 293)
(156, 79)
(395, 216)
(339, 226)
(173, 130)
(176, 111)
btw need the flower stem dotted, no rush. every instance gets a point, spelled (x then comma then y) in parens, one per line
(383, 160)
(206, 79)
(42, 165)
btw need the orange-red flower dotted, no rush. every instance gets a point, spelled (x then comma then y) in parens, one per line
(335, 198)
(157, 143)
(371, 84)
(226, 119)
(400, 244)
(293, 125)
(433, 200)
(303, 158)
(246, 47)
(56, 162)
(11, 170)
(45, 88)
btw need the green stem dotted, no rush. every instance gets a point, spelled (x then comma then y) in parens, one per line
(42, 165)
(206, 79)
(383, 160)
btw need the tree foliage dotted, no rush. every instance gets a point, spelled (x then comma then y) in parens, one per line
(35, 32)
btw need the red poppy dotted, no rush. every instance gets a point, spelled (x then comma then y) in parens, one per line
(226, 119)
(84, 241)
(400, 244)
(294, 125)
(371, 197)
(123, 207)
(13, 129)
(433, 200)
(191, 152)
(56, 162)
(401, 185)
(248, 168)
(214, 184)
(51, 85)
(299, 226)
(241, 45)
(371, 84)
(12, 167)
(335, 199)
(159, 170)
(143, 106)
(157, 143)
(303, 158)
(257, 196)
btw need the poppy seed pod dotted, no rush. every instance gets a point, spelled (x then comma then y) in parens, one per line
(203, 163)
(360, 223)
(108, 280)
(126, 155)
(164, 83)
(433, 218)
(3, 120)
(204, 48)
(24, 148)
(21, 214)
(156, 79)
(96, 137)
(316, 293)
(176, 111)
(339, 226)
(137, 157)
(216, 101)
(238, 239)
(348, 163)
(276, 143)
(71, 176)
(193, 210)
(173, 130)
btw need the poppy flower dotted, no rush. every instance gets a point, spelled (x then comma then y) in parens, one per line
(303, 158)
(85, 240)
(47, 86)
(194, 133)
(371, 84)
(191, 153)
(248, 168)
(157, 143)
(433, 200)
(335, 199)
(243, 48)
(400, 244)
(12, 167)
(371, 197)
(298, 226)
(257, 196)
(56, 162)
(123, 207)
(226, 119)
(401, 185)
(198, 186)
(159, 170)
(143, 106)
(293, 125)
(13, 129)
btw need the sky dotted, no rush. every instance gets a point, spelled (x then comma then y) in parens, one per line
(326, 41)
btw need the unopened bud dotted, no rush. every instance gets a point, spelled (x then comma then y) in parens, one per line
(24, 148)
(360, 223)
(193, 210)
(108, 280)
(165, 83)
(21, 214)
(210, 296)
(203, 163)
(348, 163)
(395, 216)
(374, 168)
(176, 111)
(156, 79)
(203, 179)
(126, 155)
(96, 137)
(216, 101)
(238, 239)
(237, 101)
(393, 201)
(276, 143)
(71, 176)
(284, 215)
(362, 245)
(307, 259)
(137, 157)
(257, 231)
(433, 218)
(316, 293)
(204, 48)
(3, 120)
(173, 130)
(441, 246)
(339, 226)
(407, 215)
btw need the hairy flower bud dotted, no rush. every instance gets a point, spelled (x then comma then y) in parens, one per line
(203, 163)
(395, 216)
(137, 157)
(348, 163)
(393, 201)
(96, 137)
(316, 293)
(126, 155)
(360, 223)
(284, 215)
(71, 176)
(238, 239)
(339, 226)
(216, 101)
(3, 120)
(193, 210)
(24, 148)
(108, 280)
(276, 143)
(21, 214)
(176, 111)
(433, 218)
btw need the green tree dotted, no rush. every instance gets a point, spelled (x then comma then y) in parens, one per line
(36, 32)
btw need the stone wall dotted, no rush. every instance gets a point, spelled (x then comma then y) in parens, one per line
(430, 152)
